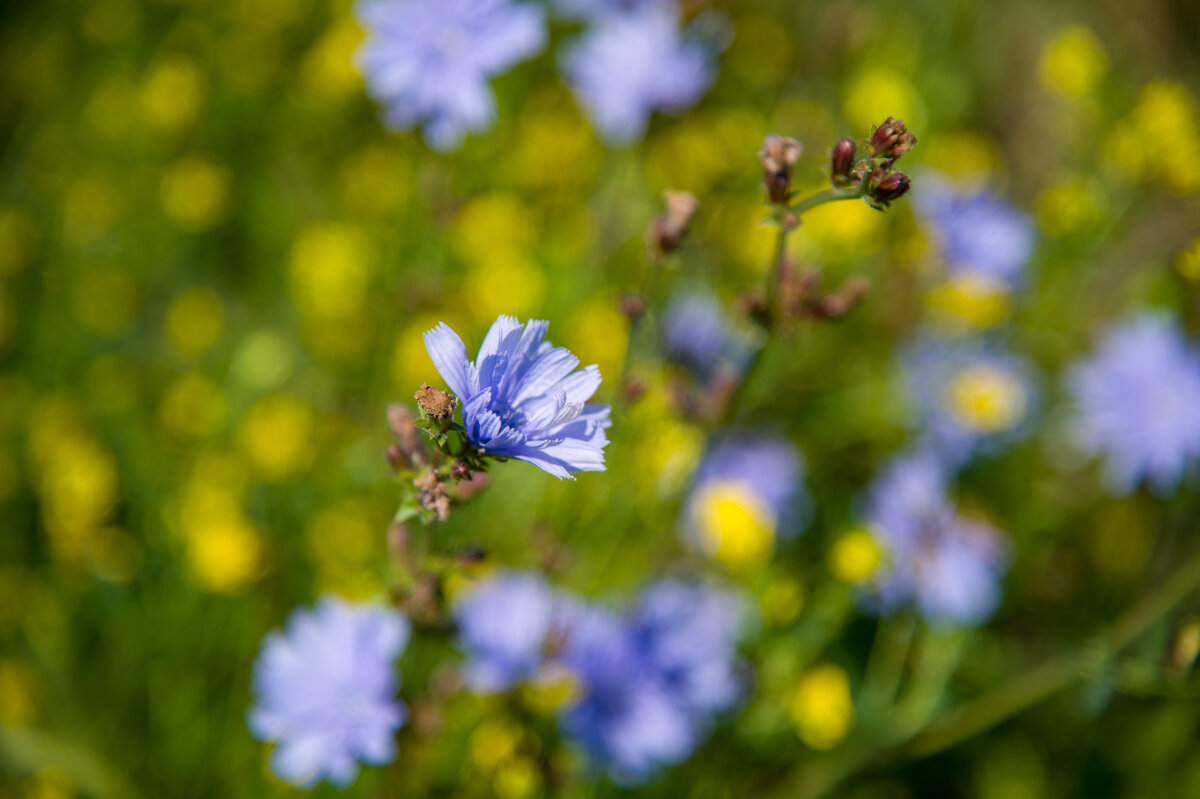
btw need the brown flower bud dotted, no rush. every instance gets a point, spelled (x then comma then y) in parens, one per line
(891, 139)
(777, 156)
(891, 188)
(669, 229)
(397, 458)
(632, 305)
(437, 405)
(842, 161)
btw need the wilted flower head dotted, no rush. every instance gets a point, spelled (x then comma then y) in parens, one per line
(632, 64)
(947, 565)
(968, 397)
(522, 398)
(627, 721)
(688, 633)
(747, 491)
(503, 624)
(428, 63)
(325, 691)
(1138, 401)
(976, 231)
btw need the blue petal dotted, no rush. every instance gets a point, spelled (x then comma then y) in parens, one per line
(449, 356)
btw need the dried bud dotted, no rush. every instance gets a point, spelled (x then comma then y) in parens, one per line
(891, 188)
(633, 390)
(435, 404)
(398, 459)
(777, 156)
(459, 470)
(891, 139)
(842, 161)
(632, 305)
(668, 230)
(842, 301)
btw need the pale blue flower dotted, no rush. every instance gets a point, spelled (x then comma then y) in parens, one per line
(976, 231)
(325, 691)
(969, 397)
(598, 9)
(698, 336)
(428, 61)
(522, 398)
(1138, 402)
(503, 625)
(632, 64)
(950, 567)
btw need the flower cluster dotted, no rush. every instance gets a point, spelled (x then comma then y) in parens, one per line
(646, 683)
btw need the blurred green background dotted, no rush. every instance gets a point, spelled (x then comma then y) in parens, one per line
(215, 266)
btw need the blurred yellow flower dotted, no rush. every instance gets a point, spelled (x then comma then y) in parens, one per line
(275, 436)
(840, 230)
(18, 694)
(493, 742)
(598, 333)
(782, 601)
(493, 222)
(668, 450)
(1188, 262)
(172, 93)
(1164, 122)
(553, 688)
(195, 192)
(18, 240)
(1072, 62)
(194, 322)
(969, 156)
(969, 302)
(855, 556)
(1069, 203)
(110, 21)
(821, 707)
(331, 269)
(555, 149)
(107, 300)
(985, 399)
(328, 70)
(193, 406)
(517, 778)
(506, 281)
(879, 93)
(345, 543)
(736, 528)
(225, 556)
(262, 361)
(270, 15)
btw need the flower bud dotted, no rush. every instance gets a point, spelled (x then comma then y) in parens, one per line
(891, 188)
(777, 156)
(435, 404)
(668, 230)
(842, 161)
(891, 139)
(632, 305)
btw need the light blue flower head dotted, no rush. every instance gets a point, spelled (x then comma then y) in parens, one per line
(522, 398)
(687, 633)
(969, 397)
(975, 231)
(1138, 403)
(503, 625)
(427, 62)
(948, 566)
(598, 9)
(697, 335)
(326, 691)
(626, 719)
(632, 64)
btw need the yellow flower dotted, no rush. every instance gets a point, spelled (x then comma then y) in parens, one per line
(18, 694)
(518, 778)
(598, 334)
(331, 268)
(1188, 262)
(1072, 62)
(328, 70)
(986, 399)
(879, 93)
(821, 707)
(195, 192)
(736, 528)
(172, 93)
(669, 450)
(1068, 204)
(226, 556)
(493, 742)
(505, 281)
(275, 436)
(967, 302)
(192, 406)
(855, 556)
(194, 322)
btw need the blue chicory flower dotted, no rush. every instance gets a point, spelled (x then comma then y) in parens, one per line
(698, 336)
(632, 64)
(503, 625)
(949, 566)
(1138, 403)
(326, 691)
(975, 231)
(522, 398)
(428, 63)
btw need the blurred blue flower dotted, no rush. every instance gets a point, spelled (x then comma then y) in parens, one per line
(428, 63)
(598, 9)
(1138, 401)
(626, 719)
(976, 231)
(522, 398)
(748, 491)
(687, 633)
(949, 566)
(697, 335)
(968, 396)
(503, 625)
(326, 691)
(631, 64)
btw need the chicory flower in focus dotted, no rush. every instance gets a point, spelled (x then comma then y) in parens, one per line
(523, 398)
(1138, 401)
(947, 565)
(632, 64)
(503, 625)
(326, 691)
(428, 61)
